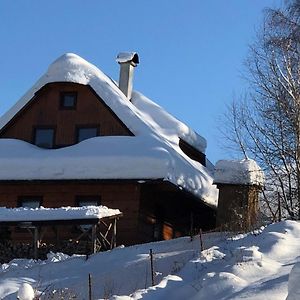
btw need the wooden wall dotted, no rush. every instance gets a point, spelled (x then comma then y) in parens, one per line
(158, 206)
(44, 110)
(115, 194)
(237, 207)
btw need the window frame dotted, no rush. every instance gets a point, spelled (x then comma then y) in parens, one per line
(90, 198)
(44, 127)
(61, 100)
(87, 126)
(192, 152)
(29, 198)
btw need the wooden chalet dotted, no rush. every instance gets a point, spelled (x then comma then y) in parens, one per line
(76, 138)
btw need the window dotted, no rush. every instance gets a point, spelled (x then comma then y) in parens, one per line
(44, 137)
(84, 133)
(30, 201)
(68, 100)
(191, 152)
(88, 200)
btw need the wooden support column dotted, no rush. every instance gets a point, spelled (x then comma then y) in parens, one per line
(191, 225)
(36, 242)
(114, 235)
(56, 232)
(94, 238)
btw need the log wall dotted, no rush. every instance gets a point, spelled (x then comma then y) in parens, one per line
(117, 194)
(44, 110)
(238, 207)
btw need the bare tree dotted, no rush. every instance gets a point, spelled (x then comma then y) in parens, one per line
(265, 123)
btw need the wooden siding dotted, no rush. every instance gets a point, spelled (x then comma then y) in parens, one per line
(237, 207)
(151, 211)
(116, 194)
(44, 110)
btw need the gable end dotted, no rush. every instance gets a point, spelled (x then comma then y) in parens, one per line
(44, 110)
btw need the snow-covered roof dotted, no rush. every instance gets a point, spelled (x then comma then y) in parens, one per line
(24, 214)
(152, 153)
(111, 157)
(245, 172)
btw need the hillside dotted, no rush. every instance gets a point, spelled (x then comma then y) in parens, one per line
(251, 266)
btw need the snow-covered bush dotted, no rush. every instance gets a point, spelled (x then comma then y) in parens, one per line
(25, 292)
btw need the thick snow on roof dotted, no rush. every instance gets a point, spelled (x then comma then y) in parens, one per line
(245, 171)
(48, 214)
(124, 57)
(164, 123)
(96, 158)
(153, 152)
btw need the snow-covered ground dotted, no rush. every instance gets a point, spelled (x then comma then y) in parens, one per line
(251, 266)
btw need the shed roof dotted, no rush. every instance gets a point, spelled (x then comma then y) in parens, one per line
(238, 172)
(62, 215)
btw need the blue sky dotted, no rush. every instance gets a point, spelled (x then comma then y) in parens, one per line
(191, 51)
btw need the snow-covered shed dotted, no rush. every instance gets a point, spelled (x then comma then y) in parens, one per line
(75, 139)
(97, 223)
(239, 183)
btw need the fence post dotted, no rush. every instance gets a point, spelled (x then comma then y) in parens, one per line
(90, 287)
(152, 269)
(201, 241)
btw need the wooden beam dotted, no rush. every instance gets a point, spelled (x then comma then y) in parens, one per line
(94, 238)
(36, 242)
(114, 235)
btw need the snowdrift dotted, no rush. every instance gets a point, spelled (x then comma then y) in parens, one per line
(250, 266)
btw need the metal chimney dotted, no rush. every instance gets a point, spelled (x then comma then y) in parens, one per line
(127, 61)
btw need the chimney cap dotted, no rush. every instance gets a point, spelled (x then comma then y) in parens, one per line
(128, 57)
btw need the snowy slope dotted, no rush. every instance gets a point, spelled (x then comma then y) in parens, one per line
(156, 139)
(294, 287)
(251, 266)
